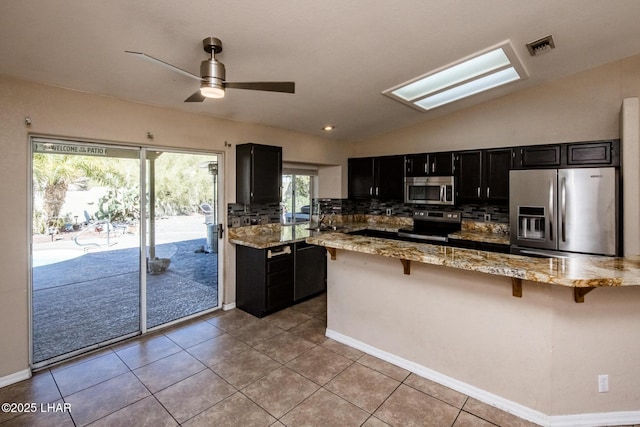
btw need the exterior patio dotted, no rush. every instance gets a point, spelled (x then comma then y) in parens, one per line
(81, 298)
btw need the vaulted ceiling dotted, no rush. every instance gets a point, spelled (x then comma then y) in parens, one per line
(341, 54)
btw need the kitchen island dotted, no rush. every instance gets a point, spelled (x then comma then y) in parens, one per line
(453, 320)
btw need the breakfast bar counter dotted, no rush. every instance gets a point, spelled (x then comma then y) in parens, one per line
(451, 318)
(579, 271)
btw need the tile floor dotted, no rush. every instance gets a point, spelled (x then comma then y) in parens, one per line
(233, 369)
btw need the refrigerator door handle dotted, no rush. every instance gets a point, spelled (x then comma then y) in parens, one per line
(551, 210)
(563, 207)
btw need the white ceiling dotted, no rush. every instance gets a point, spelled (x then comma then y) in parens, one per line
(341, 53)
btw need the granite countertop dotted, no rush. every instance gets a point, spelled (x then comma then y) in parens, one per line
(481, 236)
(577, 272)
(270, 235)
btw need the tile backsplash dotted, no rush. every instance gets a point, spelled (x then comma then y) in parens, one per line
(472, 212)
(240, 215)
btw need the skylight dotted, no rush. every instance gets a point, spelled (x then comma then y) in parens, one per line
(482, 71)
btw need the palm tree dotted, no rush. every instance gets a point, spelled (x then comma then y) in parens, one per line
(53, 173)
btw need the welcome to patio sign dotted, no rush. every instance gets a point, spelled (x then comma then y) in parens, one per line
(61, 148)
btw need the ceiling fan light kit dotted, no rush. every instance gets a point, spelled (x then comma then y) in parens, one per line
(212, 75)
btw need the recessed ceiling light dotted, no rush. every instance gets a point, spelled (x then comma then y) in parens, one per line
(477, 73)
(328, 128)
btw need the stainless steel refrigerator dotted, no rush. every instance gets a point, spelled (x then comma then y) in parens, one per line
(564, 210)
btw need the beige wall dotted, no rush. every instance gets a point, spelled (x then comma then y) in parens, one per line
(581, 107)
(536, 356)
(59, 112)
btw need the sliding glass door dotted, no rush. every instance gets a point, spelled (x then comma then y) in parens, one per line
(123, 240)
(182, 235)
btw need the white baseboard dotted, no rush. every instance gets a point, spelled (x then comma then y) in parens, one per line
(577, 420)
(230, 306)
(14, 378)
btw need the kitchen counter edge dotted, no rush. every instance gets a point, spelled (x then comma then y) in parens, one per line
(577, 272)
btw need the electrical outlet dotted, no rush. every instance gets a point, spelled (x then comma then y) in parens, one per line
(603, 383)
(487, 217)
(389, 211)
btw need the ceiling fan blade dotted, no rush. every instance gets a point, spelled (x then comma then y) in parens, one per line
(286, 87)
(195, 97)
(164, 64)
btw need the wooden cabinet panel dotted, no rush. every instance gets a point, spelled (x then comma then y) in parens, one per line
(496, 174)
(441, 164)
(417, 164)
(429, 164)
(390, 178)
(483, 175)
(590, 153)
(540, 156)
(263, 284)
(258, 173)
(376, 178)
(361, 178)
(469, 175)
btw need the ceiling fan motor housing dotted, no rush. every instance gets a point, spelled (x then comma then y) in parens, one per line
(212, 70)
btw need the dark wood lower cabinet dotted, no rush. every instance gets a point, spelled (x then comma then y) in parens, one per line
(310, 272)
(268, 280)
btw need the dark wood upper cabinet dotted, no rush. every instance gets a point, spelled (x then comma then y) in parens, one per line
(595, 153)
(540, 156)
(376, 178)
(483, 175)
(258, 173)
(441, 164)
(417, 164)
(568, 155)
(361, 178)
(469, 175)
(496, 174)
(429, 164)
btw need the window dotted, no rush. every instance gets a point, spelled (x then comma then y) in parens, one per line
(297, 193)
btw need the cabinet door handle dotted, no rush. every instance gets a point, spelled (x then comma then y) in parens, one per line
(433, 166)
(426, 167)
(377, 191)
(563, 208)
(551, 210)
(488, 191)
(284, 251)
(478, 192)
(371, 191)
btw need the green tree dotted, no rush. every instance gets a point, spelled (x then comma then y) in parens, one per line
(53, 173)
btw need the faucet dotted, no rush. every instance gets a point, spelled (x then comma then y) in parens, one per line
(332, 220)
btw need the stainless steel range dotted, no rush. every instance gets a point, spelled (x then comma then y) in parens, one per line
(432, 225)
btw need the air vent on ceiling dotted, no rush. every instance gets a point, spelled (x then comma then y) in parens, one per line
(540, 46)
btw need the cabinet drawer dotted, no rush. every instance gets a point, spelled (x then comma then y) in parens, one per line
(279, 296)
(280, 263)
(274, 279)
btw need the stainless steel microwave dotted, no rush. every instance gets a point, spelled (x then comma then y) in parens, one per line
(429, 190)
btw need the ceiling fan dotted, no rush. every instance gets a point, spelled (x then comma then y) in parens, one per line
(212, 75)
